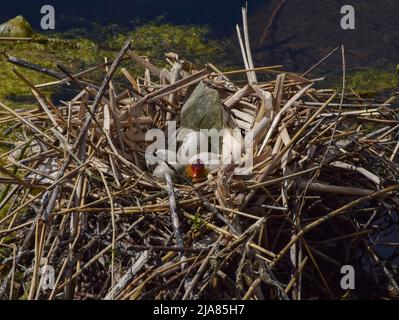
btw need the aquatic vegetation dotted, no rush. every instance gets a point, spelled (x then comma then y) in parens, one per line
(154, 40)
(76, 51)
(371, 81)
(74, 54)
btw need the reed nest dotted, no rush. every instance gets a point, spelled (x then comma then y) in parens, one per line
(79, 202)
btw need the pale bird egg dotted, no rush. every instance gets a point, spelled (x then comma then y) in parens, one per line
(161, 170)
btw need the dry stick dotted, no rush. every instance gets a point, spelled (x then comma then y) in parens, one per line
(278, 91)
(346, 236)
(310, 185)
(394, 152)
(13, 272)
(35, 67)
(16, 39)
(76, 75)
(230, 235)
(93, 117)
(326, 257)
(173, 211)
(356, 105)
(68, 259)
(42, 193)
(340, 105)
(364, 112)
(113, 233)
(321, 61)
(329, 216)
(174, 77)
(178, 85)
(17, 181)
(6, 197)
(84, 87)
(323, 279)
(26, 115)
(244, 55)
(372, 177)
(92, 260)
(202, 269)
(296, 251)
(130, 210)
(22, 146)
(90, 204)
(57, 238)
(281, 179)
(77, 196)
(135, 292)
(43, 101)
(146, 64)
(63, 267)
(167, 249)
(128, 277)
(27, 123)
(247, 44)
(390, 276)
(23, 197)
(40, 257)
(195, 264)
(297, 136)
(252, 288)
(39, 238)
(315, 224)
(7, 231)
(296, 275)
(123, 295)
(136, 90)
(36, 263)
(226, 73)
(277, 119)
(27, 238)
(48, 207)
(276, 159)
(41, 69)
(243, 214)
(218, 72)
(115, 113)
(323, 187)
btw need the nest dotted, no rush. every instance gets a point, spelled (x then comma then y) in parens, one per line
(84, 217)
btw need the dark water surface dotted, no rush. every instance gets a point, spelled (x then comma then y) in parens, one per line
(302, 33)
(221, 15)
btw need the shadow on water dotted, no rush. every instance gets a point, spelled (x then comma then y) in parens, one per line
(301, 33)
(220, 15)
(386, 241)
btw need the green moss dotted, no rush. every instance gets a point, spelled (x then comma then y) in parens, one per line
(74, 54)
(80, 49)
(154, 40)
(372, 81)
(77, 51)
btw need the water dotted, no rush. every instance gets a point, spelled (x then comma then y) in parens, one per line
(220, 15)
(302, 33)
